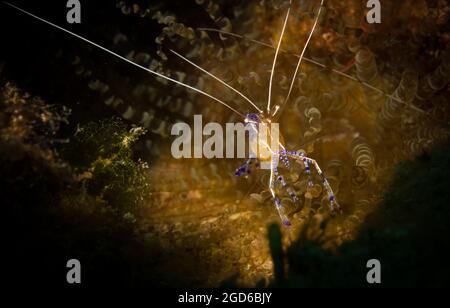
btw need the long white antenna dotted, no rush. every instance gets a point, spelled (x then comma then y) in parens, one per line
(126, 60)
(303, 52)
(276, 57)
(363, 83)
(218, 79)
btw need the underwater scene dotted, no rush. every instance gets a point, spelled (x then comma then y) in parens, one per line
(225, 143)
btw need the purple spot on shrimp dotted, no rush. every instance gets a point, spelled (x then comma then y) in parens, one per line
(287, 223)
(253, 117)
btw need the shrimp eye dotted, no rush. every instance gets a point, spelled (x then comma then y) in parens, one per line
(251, 117)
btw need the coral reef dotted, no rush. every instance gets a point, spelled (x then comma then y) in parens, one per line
(367, 98)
